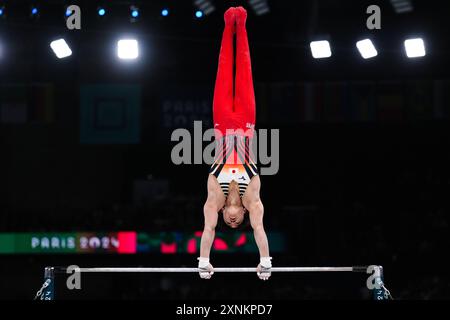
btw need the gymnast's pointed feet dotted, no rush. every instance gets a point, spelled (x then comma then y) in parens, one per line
(241, 17)
(230, 19)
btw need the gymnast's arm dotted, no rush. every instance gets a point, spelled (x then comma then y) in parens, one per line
(254, 205)
(213, 204)
(210, 212)
(256, 219)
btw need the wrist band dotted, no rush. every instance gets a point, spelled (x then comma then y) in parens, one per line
(266, 262)
(203, 262)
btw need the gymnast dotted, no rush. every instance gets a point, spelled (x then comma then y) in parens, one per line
(234, 183)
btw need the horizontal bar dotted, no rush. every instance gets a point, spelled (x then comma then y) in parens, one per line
(184, 270)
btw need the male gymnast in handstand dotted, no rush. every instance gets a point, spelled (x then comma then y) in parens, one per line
(233, 182)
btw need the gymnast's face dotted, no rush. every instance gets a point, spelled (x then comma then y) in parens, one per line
(233, 215)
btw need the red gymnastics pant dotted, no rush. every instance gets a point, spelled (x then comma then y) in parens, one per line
(234, 110)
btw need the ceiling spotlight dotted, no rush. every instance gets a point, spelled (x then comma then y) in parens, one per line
(128, 49)
(134, 13)
(165, 12)
(199, 14)
(415, 48)
(61, 48)
(101, 11)
(320, 49)
(68, 12)
(366, 49)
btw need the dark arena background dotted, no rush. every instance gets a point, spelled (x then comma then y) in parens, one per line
(87, 179)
